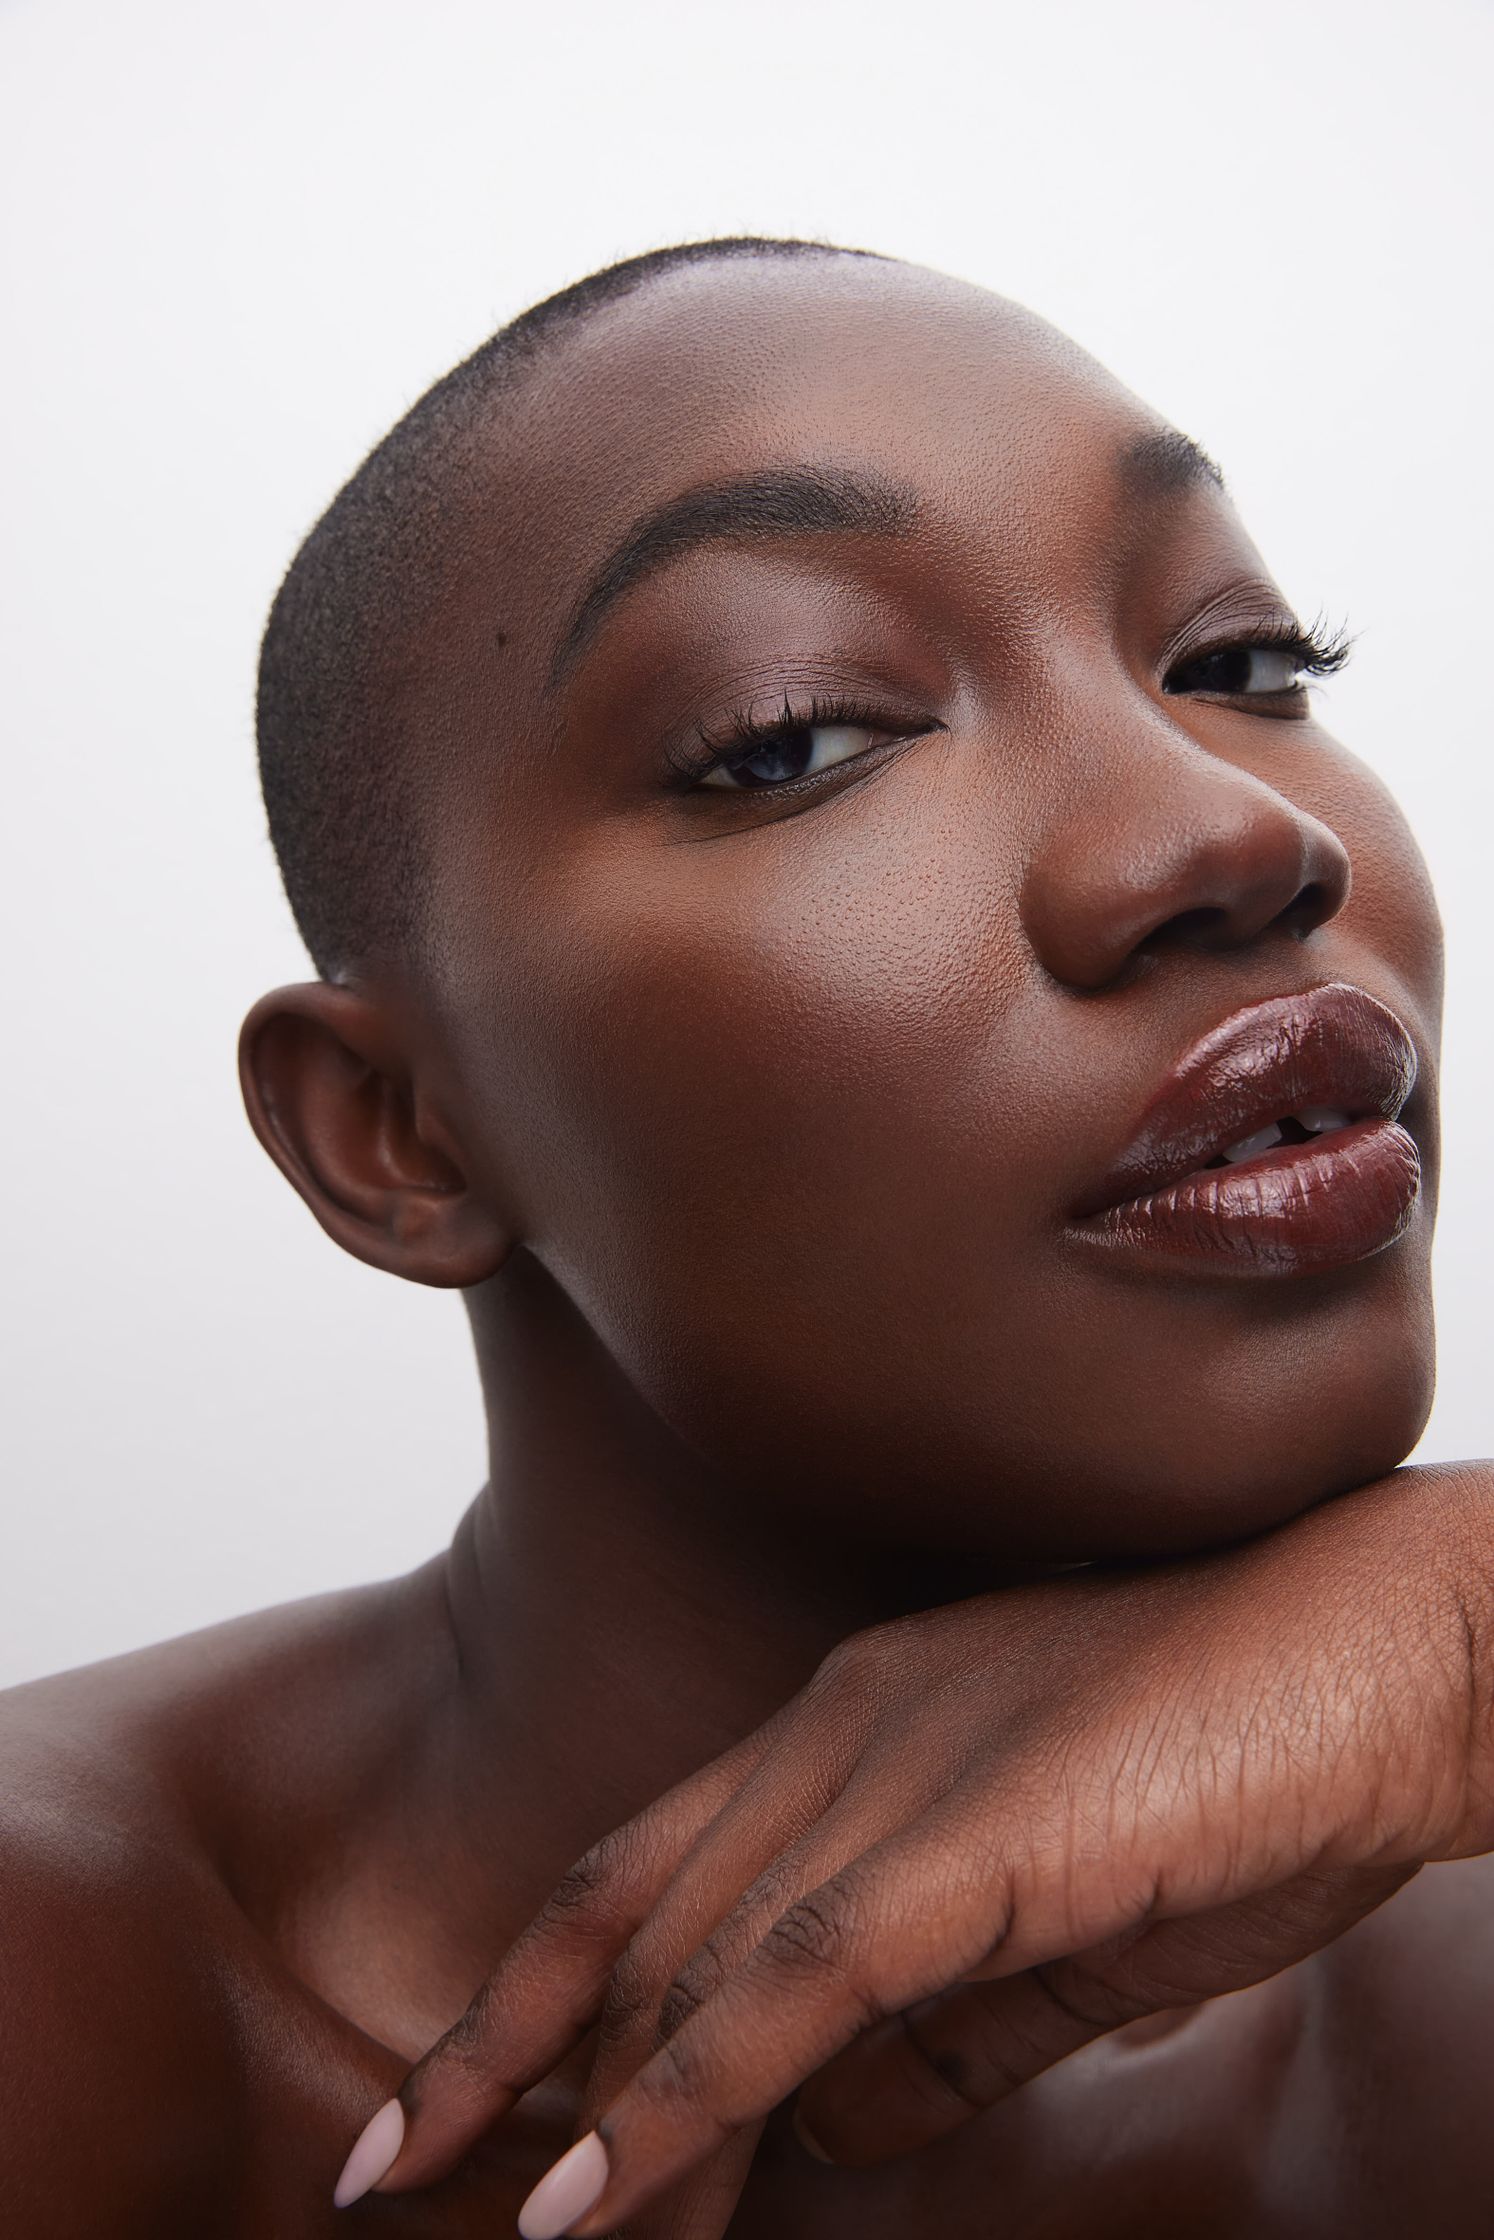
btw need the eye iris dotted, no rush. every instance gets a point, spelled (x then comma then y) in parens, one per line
(1229, 671)
(1239, 670)
(787, 754)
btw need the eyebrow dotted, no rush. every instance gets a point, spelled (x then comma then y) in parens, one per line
(1164, 462)
(789, 501)
(797, 501)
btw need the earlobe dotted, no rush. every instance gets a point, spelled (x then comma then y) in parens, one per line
(329, 1093)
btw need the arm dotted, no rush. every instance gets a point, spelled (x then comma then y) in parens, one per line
(987, 1834)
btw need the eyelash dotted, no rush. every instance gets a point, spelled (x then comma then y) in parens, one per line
(743, 736)
(1318, 652)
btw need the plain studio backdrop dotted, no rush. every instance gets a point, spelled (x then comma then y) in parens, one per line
(240, 241)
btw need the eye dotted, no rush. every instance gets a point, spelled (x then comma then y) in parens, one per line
(1238, 671)
(792, 750)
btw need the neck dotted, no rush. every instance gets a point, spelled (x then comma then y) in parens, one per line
(621, 1615)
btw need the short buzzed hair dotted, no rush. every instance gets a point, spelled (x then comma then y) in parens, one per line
(335, 764)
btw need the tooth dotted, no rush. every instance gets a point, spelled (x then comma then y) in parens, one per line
(1318, 1119)
(1262, 1140)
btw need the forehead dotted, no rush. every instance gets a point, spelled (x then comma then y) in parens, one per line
(853, 348)
(717, 371)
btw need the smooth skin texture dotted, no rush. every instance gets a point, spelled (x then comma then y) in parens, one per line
(748, 1124)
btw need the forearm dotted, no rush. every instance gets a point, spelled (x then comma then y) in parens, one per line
(1397, 1582)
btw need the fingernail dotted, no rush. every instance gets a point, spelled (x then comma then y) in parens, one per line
(566, 2192)
(377, 2147)
(808, 2141)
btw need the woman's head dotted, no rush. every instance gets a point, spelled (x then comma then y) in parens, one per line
(848, 754)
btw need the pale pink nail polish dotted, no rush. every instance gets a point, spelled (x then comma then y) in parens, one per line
(566, 2192)
(374, 2152)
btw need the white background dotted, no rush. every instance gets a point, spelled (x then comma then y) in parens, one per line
(241, 239)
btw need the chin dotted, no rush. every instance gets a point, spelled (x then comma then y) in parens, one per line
(1191, 1419)
(1294, 1416)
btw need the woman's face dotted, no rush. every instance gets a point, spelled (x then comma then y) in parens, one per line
(827, 884)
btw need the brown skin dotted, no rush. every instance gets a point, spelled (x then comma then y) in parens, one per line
(748, 1137)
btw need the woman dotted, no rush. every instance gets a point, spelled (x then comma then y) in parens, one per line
(839, 931)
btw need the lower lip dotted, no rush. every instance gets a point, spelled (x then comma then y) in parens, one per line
(1290, 1211)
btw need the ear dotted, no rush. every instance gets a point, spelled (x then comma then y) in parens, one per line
(329, 1093)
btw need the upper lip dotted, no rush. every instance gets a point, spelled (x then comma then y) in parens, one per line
(1330, 1046)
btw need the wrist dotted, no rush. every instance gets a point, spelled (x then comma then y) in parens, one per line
(1463, 1508)
(1435, 1526)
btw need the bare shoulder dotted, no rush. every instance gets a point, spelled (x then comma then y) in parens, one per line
(152, 2034)
(105, 2020)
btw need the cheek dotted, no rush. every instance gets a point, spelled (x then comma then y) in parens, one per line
(778, 1090)
(1391, 911)
(1393, 906)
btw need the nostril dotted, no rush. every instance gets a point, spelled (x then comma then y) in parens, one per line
(1308, 909)
(1233, 862)
(1216, 926)
(1188, 929)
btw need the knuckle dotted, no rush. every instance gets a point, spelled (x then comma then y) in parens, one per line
(699, 1980)
(850, 1665)
(815, 1936)
(848, 1690)
(633, 1993)
(771, 1893)
(679, 2006)
(597, 1888)
(470, 2030)
(580, 1887)
(866, 1672)
(673, 2075)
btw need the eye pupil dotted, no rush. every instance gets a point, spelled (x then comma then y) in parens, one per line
(1227, 671)
(787, 754)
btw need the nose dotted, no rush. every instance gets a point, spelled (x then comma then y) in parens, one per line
(1187, 851)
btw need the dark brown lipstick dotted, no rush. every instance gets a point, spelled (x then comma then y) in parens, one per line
(1274, 1147)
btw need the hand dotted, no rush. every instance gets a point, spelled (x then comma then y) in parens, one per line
(983, 1836)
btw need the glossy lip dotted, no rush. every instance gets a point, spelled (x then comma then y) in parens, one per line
(1297, 1207)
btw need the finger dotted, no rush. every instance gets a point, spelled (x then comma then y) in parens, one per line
(707, 1924)
(545, 1993)
(703, 2205)
(723, 1890)
(855, 1949)
(931, 2069)
(899, 1925)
